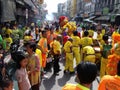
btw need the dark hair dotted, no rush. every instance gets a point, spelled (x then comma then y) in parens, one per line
(75, 33)
(118, 68)
(5, 84)
(86, 33)
(18, 57)
(105, 37)
(31, 45)
(7, 35)
(86, 72)
(43, 32)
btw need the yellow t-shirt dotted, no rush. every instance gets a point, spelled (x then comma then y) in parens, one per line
(91, 33)
(99, 37)
(103, 31)
(39, 53)
(56, 47)
(76, 41)
(8, 31)
(27, 38)
(86, 41)
(74, 87)
(67, 47)
(88, 50)
(8, 41)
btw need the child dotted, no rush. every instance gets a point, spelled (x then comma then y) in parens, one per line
(33, 66)
(21, 73)
(9, 41)
(6, 85)
(56, 47)
(86, 74)
(105, 50)
(69, 56)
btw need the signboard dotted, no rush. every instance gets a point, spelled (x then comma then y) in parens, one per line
(113, 18)
(105, 11)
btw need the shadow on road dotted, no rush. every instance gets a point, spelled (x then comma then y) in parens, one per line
(49, 83)
(62, 81)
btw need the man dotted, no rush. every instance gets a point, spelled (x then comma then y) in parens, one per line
(76, 47)
(86, 74)
(111, 82)
(56, 47)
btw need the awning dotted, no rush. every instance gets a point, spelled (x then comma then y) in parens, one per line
(30, 3)
(20, 2)
(8, 10)
(103, 18)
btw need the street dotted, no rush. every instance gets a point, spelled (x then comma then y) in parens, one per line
(57, 82)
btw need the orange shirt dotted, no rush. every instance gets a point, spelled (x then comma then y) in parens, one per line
(50, 37)
(110, 83)
(43, 44)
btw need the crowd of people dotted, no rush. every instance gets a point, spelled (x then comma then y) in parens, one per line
(50, 44)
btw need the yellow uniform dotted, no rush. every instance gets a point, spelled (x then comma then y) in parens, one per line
(76, 48)
(90, 54)
(8, 41)
(103, 31)
(86, 41)
(56, 47)
(69, 56)
(91, 33)
(39, 53)
(74, 87)
(8, 31)
(99, 37)
(104, 60)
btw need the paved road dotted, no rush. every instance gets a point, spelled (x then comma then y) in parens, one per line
(57, 82)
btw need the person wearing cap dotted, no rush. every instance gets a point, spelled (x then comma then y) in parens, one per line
(76, 47)
(69, 56)
(111, 82)
(86, 74)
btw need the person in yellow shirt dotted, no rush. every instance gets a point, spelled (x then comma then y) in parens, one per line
(103, 31)
(91, 33)
(89, 54)
(86, 74)
(8, 41)
(56, 47)
(76, 47)
(105, 51)
(99, 36)
(8, 30)
(85, 41)
(69, 56)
